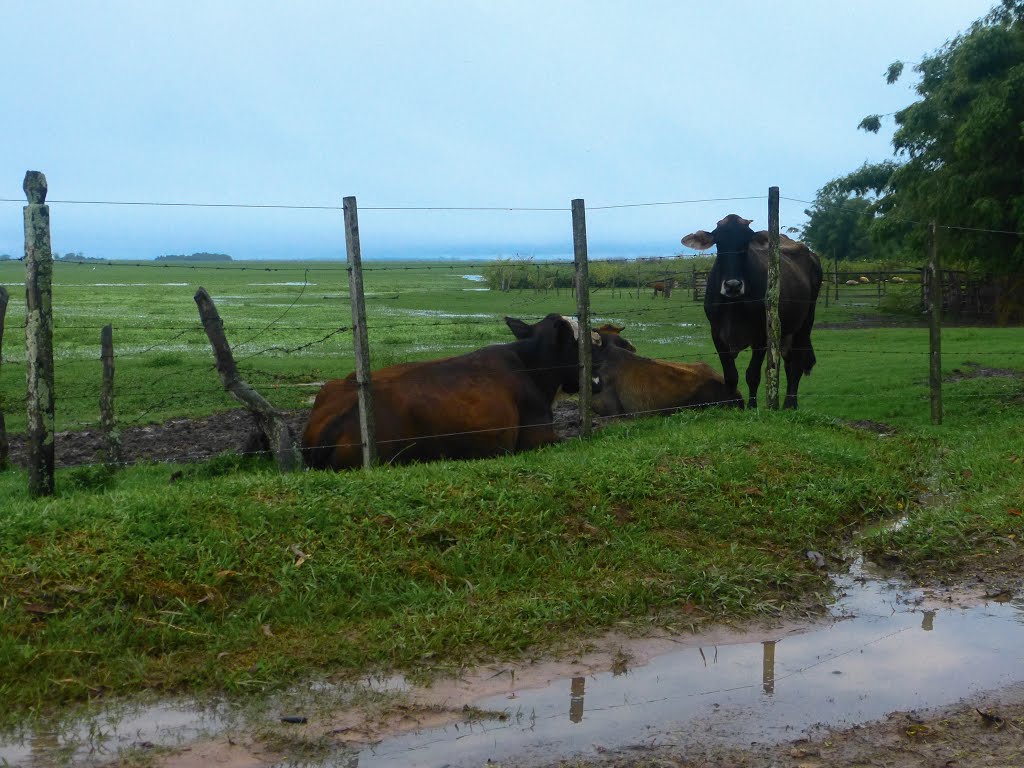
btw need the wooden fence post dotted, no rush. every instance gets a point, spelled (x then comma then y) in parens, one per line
(107, 425)
(4, 445)
(269, 419)
(835, 277)
(579, 246)
(935, 328)
(39, 336)
(367, 420)
(771, 302)
(827, 289)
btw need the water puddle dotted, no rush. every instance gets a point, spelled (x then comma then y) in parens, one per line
(886, 647)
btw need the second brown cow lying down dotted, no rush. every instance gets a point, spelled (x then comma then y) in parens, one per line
(627, 383)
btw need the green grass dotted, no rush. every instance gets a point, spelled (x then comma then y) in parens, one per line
(141, 583)
(126, 581)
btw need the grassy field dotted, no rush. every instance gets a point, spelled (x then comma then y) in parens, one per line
(237, 577)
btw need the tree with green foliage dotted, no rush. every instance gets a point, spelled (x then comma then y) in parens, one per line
(838, 225)
(960, 150)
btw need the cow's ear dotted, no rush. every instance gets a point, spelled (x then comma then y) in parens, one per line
(519, 329)
(760, 240)
(617, 328)
(699, 240)
(746, 222)
(595, 338)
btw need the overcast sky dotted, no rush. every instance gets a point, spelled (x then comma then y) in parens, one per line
(491, 103)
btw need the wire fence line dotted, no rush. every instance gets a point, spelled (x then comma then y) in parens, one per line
(389, 326)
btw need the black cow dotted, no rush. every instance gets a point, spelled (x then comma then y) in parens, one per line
(735, 301)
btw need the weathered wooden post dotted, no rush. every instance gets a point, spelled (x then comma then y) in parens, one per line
(367, 420)
(835, 277)
(694, 278)
(771, 302)
(269, 419)
(935, 327)
(579, 247)
(39, 336)
(111, 436)
(4, 445)
(827, 289)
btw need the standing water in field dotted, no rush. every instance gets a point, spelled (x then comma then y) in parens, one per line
(888, 647)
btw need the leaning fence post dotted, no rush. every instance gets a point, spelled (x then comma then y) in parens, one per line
(771, 301)
(107, 426)
(270, 420)
(367, 420)
(39, 336)
(4, 445)
(935, 327)
(579, 247)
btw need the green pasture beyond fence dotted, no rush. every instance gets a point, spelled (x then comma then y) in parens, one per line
(289, 326)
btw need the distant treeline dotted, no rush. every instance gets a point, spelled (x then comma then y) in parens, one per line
(72, 256)
(203, 256)
(518, 274)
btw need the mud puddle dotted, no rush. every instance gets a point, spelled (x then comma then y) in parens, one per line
(887, 647)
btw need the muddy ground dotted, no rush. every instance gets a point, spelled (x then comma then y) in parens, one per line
(191, 440)
(981, 733)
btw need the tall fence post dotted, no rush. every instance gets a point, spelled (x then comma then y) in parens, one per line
(835, 277)
(935, 327)
(367, 421)
(39, 336)
(107, 424)
(579, 247)
(827, 291)
(771, 301)
(4, 445)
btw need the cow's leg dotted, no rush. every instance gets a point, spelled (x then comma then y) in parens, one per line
(729, 370)
(754, 373)
(794, 370)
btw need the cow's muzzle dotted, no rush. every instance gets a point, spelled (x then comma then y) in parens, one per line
(732, 288)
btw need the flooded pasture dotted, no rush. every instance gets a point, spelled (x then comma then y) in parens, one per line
(885, 647)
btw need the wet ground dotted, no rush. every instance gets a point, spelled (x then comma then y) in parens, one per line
(192, 440)
(757, 697)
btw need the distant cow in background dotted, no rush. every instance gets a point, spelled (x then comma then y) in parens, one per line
(664, 287)
(734, 301)
(627, 383)
(490, 402)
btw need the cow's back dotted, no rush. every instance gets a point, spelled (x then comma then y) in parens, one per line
(452, 408)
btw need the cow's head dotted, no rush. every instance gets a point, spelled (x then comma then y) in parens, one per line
(613, 335)
(732, 235)
(554, 347)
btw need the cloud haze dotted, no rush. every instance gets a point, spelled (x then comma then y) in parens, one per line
(507, 104)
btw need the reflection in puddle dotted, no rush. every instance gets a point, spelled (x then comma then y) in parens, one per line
(888, 648)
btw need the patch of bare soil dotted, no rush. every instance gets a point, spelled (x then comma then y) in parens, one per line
(878, 427)
(983, 732)
(978, 371)
(186, 441)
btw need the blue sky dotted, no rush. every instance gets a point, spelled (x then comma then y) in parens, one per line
(491, 103)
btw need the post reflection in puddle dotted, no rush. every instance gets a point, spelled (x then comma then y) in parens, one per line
(928, 621)
(576, 699)
(768, 667)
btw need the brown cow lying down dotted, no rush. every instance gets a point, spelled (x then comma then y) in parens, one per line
(627, 383)
(490, 402)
